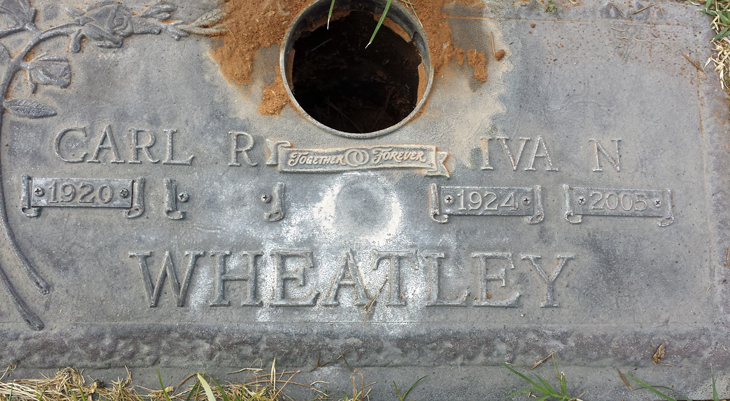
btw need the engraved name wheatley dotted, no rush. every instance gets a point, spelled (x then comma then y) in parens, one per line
(348, 278)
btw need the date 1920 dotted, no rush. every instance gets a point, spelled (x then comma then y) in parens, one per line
(76, 192)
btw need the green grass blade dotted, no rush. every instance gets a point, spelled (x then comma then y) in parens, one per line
(159, 376)
(681, 396)
(714, 389)
(650, 388)
(10, 397)
(73, 395)
(413, 385)
(539, 388)
(192, 391)
(380, 22)
(724, 19)
(561, 379)
(83, 395)
(396, 391)
(547, 386)
(329, 16)
(220, 388)
(543, 398)
(722, 34)
(206, 387)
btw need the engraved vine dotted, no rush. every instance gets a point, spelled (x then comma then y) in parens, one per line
(105, 24)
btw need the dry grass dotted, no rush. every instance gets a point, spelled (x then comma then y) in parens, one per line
(69, 385)
(719, 10)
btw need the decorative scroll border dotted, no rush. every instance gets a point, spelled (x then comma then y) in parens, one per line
(572, 217)
(288, 159)
(434, 202)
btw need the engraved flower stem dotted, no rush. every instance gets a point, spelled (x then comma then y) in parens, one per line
(15, 65)
(30, 318)
(10, 31)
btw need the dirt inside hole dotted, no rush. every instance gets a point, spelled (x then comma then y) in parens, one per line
(254, 24)
(348, 87)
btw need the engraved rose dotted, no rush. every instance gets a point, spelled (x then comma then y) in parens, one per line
(110, 21)
(107, 24)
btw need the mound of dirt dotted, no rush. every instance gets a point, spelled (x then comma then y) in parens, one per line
(263, 23)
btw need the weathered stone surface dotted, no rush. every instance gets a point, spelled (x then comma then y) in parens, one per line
(642, 258)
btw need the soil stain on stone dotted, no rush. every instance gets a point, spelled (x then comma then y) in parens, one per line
(258, 24)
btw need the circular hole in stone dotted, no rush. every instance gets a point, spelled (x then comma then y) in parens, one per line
(346, 88)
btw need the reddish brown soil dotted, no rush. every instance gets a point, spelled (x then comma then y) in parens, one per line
(274, 97)
(263, 23)
(479, 62)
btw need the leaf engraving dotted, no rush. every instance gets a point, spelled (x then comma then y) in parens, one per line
(209, 19)
(207, 24)
(75, 45)
(19, 11)
(73, 12)
(28, 108)
(50, 71)
(160, 11)
(4, 55)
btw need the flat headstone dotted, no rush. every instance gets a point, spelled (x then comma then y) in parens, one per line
(575, 203)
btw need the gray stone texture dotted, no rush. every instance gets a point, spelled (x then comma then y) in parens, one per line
(582, 73)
